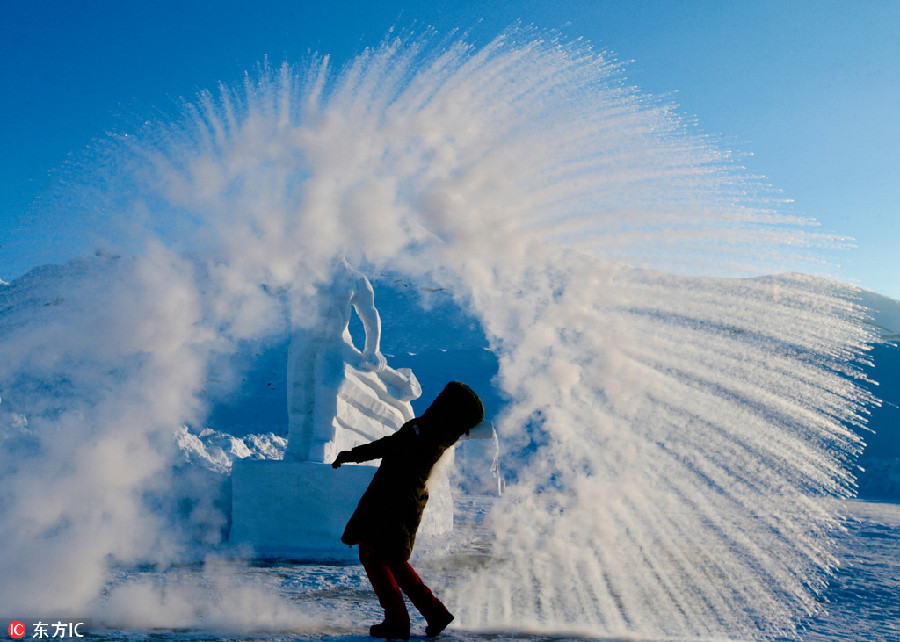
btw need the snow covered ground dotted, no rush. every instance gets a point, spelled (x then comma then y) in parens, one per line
(335, 602)
(863, 600)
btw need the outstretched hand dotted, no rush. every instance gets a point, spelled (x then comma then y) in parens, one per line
(342, 458)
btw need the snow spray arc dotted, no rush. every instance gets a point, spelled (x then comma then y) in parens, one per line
(674, 435)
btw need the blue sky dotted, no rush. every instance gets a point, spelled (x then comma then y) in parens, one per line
(809, 90)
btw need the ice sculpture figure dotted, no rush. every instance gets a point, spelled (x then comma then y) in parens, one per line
(338, 396)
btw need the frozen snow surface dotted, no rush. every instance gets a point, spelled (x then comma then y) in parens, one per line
(861, 602)
(282, 600)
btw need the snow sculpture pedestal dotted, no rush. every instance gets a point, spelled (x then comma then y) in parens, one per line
(298, 509)
(295, 509)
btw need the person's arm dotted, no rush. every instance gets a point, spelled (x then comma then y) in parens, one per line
(365, 452)
(373, 450)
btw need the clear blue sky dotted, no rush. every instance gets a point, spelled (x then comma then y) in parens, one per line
(810, 88)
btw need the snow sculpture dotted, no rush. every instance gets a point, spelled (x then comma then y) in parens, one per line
(339, 397)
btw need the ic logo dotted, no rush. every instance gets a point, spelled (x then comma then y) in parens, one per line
(16, 630)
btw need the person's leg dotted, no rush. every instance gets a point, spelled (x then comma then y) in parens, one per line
(396, 617)
(436, 614)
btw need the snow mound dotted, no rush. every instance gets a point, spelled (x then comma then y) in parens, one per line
(217, 451)
(885, 312)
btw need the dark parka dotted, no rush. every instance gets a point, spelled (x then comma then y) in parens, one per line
(390, 510)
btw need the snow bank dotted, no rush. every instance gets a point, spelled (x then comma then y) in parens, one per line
(217, 451)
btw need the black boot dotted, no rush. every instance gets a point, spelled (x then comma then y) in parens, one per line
(438, 624)
(388, 630)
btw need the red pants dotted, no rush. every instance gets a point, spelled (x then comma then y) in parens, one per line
(389, 578)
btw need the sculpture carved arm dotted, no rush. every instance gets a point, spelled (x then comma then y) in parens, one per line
(363, 301)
